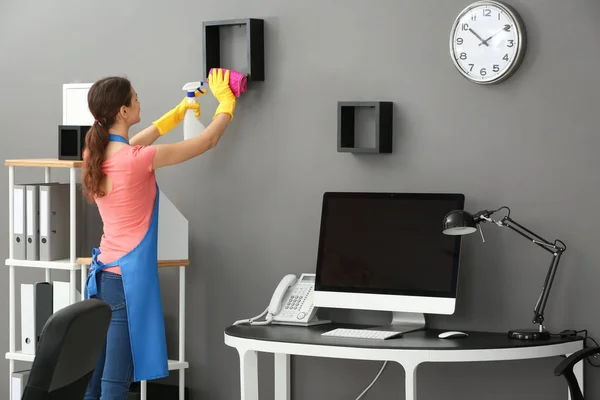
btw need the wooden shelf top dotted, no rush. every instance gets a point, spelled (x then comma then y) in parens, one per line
(161, 263)
(44, 162)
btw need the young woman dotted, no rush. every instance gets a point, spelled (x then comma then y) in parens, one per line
(119, 175)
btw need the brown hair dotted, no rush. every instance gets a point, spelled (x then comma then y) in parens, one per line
(105, 99)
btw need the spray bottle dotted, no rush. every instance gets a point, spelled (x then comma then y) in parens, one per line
(192, 126)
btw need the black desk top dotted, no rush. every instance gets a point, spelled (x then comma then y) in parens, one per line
(421, 340)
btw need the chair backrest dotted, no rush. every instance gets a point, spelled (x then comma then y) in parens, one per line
(69, 347)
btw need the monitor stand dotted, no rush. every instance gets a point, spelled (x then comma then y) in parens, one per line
(403, 322)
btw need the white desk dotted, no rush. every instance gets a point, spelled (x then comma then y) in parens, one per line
(410, 351)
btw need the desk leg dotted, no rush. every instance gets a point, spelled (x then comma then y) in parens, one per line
(410, 370)
(143, 390)
(248, 374)
(282, 377)
(578, 372)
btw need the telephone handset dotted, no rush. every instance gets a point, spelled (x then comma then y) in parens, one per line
(280, 293)
(291, 303)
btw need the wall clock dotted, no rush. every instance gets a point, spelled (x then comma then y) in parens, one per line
(488, 41)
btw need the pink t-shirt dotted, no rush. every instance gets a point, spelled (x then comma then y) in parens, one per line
(126, 210)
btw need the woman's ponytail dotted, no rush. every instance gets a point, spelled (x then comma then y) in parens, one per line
(96, 141)
(105, 99)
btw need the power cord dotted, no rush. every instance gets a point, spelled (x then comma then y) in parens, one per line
(567, 332)
(373, 382)
(252, 321)
(572, 332)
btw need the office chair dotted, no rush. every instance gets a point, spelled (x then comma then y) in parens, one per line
(69, 347)
(565, 368)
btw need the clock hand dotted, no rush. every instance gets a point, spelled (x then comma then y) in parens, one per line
(506, 28)
(478, 37)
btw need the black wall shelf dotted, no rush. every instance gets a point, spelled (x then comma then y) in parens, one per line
(254, 43)
(346, 138)
(71, 141)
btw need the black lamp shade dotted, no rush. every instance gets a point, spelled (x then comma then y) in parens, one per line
(459, 222)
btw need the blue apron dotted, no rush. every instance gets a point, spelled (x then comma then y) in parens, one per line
(139, 270)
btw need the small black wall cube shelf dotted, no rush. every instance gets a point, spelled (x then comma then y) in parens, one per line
(254, 42)
(71, 141)
(383, 126)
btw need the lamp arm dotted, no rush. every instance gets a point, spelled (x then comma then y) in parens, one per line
(553, 248)
(540, 305)
(527, 234)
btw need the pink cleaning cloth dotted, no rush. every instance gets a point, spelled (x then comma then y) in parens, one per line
(237, 82)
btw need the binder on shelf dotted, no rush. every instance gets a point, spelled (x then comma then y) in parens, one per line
(60, 295)
(54, 221)
(54, 231)
(33, 226)
(19, 382)
(89, 225)
(36, 308)
(20, 249)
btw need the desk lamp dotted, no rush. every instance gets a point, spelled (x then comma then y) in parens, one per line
(459, 222)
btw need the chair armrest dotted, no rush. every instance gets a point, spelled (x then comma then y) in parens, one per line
(569, 362)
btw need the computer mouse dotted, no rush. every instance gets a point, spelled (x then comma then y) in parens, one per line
(452, 335)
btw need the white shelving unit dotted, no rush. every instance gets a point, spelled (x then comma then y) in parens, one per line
(74, 264)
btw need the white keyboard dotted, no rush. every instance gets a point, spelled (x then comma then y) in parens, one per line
(360, 333)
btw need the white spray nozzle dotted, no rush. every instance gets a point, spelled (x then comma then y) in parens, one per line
(193, 86)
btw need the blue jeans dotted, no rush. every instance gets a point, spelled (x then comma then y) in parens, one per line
(114, 370)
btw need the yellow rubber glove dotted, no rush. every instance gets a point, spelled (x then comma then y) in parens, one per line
(172, 118)
(219, 85)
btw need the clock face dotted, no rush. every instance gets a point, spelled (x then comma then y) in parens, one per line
(487, 42)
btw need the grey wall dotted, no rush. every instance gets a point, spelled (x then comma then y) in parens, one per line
(253, 202)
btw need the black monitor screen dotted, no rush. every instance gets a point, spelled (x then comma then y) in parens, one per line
(388, 243)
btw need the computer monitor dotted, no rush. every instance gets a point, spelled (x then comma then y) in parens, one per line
(387, 252)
